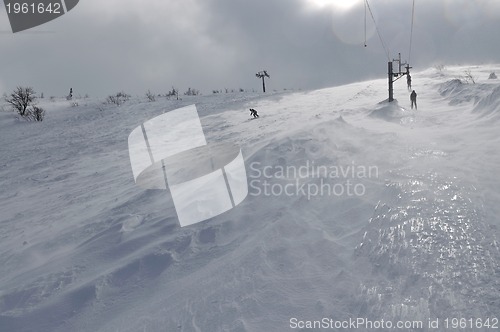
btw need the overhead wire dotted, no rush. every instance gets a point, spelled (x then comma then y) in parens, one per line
(365, 23)
(411, 30)
(378, 31)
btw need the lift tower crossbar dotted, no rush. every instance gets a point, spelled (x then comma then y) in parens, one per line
(394, 76)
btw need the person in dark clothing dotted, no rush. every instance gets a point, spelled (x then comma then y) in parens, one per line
(254, 113)
(413, 98)
(408, 81)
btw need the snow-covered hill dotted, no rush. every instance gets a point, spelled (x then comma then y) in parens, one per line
(82, 248)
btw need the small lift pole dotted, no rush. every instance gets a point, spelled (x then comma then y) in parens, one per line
(263, 74)
(391, 82)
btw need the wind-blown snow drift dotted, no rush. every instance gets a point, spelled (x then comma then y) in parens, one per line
(83, 249)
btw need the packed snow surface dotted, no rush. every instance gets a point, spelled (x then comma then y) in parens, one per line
(388, 213)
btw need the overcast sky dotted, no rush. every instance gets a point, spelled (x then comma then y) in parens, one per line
(105, 46)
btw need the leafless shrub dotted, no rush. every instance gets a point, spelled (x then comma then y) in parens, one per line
(35, 113)
(151, 96)
(173, 93)
(439, 68)
(469, 78)
(118, 99)
(191, 92)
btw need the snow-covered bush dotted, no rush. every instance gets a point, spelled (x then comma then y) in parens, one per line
(191, 92)
(439, 67)
(173, 93)
(492, 76)
(35, 113)
(151, 96)
(118, 99)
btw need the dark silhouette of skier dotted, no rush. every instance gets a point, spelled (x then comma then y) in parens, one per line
(408, 81)
(413, 98)
(254, 113)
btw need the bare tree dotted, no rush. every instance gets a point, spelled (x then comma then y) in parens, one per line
(21, 99)
(469, 77)
(151, 96)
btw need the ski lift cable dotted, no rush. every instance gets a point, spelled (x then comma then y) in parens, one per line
(365, 23)
(411, 30)
(378, 31)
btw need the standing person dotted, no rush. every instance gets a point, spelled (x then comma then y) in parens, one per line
(408, 81)
(413, 98)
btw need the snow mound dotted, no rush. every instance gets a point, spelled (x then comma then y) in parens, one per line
(489, 105)
(392, 112)
(485, 97)
(458, 92)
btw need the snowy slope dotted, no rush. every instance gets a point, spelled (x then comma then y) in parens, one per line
(82, 248)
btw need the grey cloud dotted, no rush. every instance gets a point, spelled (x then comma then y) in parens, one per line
(212, 44)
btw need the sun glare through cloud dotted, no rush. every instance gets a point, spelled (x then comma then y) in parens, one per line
(338, 4)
